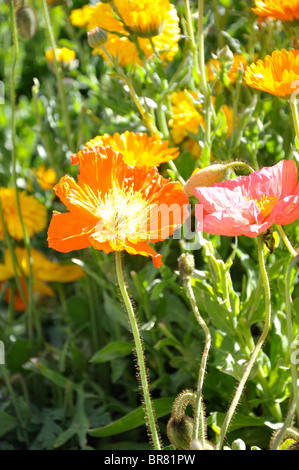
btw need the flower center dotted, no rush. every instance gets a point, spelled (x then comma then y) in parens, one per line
(265, 203)
(122, 213)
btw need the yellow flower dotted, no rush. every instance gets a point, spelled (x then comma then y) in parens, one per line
(43, 271)
(81, 16)
(238, 62)
(46, 177)
(137, 149)
(34, 214)
(277, 74)
(186, 118)
(64, 55)
(142, 18)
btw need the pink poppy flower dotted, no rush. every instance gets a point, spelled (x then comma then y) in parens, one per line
(249, 205)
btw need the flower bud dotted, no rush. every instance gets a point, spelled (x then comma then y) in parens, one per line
(225, 54)
(179, 432)
(26, 21)
(186, 265)
(205, 177)
(96, 37)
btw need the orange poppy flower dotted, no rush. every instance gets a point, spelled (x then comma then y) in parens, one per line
(284, 10)
(277, 74)
(115, 207)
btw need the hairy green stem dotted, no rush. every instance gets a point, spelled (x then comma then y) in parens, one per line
(284, 429)
(290, 334)
(199, 431)
(255, 352)
(286, 241)
(150, 415)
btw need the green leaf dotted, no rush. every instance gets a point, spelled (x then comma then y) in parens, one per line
(134, 419)
(79, 425)
(7, 423)
(112, 351)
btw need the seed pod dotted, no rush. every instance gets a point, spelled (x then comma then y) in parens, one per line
(26, 21)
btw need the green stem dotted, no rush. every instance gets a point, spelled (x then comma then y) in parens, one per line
(286, 241)
(150, 416)
(208, 107)
(59, 76)
(284, 429)
(295, 391)
(144, 115)
(255, 352)
(15, 404)
(14, 171)
(221, 41)
(295, 116)
(193, 46)
(199, 431)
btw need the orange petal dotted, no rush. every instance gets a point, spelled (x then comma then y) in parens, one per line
(70, 231)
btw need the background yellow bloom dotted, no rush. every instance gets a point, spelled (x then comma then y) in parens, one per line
(139, 16)
(34, 214)
(137, 149)
(64, 54)
(43, 270)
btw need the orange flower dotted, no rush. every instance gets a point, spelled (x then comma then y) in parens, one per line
(137, 149)
(284, 10)
(115, 207)
(277, 74)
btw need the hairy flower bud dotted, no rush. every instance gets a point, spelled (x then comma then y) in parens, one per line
(179, 432)
(205, 177)
(186, 265)
(96, 37)
(26, 21)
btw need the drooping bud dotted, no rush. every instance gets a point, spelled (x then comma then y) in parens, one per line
(96, 37)
(26, 21)
(179, 432)
(186, 265)
(205, 177)
(180, 426)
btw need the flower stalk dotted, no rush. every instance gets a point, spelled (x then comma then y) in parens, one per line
(255, 352)
(295, 391)
(59, 76)
(150, 416)
(14, 163)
